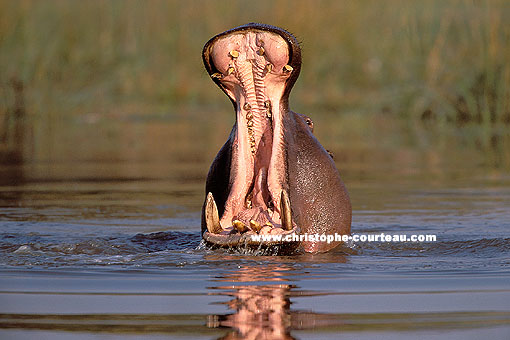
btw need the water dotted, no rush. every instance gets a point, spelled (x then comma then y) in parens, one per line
(100, 239)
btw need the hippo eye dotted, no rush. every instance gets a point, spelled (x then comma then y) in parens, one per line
(309, 122)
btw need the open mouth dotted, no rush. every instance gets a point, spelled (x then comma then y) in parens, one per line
(255, 65)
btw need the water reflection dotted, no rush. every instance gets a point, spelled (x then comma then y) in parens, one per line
(261, 295)
(13, 137)
(259, 311)
(261, 299)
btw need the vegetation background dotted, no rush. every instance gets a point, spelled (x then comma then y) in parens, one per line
(439, 70)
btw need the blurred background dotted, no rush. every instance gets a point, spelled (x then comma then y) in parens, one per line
(109, 123)
(415, 84)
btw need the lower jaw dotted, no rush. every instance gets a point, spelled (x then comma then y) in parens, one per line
(261, 220)
(283, 244)
(277, 239)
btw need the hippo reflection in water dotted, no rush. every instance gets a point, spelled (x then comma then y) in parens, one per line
(272, 176)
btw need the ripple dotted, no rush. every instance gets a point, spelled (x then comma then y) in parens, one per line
(485, 247)
(178, 248)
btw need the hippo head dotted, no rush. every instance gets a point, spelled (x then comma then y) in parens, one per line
(272, 176)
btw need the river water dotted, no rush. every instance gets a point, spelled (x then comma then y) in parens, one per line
(99, 239)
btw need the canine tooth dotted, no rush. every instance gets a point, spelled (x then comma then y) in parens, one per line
(217, 75)
(255, 226)
(286, 215)
(234, 54)
(230, 71)
(287, 68)
(269, 67)
(239, 226)
(212, 219)
(261, 51)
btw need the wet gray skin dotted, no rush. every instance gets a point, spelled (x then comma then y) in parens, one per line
(272, 176)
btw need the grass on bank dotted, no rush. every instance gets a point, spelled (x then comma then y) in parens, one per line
(438, 61)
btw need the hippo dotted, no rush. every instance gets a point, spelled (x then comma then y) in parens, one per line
(272, 176)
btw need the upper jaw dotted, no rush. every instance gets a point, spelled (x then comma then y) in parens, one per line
(255, 65)
(293, 52)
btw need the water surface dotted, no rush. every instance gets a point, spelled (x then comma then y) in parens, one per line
(99, 238)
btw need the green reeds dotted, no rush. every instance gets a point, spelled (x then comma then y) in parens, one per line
(443, 61)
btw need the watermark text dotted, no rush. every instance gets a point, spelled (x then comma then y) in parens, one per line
(344, 238)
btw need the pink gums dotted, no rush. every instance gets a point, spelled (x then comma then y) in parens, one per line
(253, 71)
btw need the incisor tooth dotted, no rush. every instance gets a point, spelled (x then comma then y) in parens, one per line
(217, 75)
(240, 226)
(286, 215)
(212, 219)
(255, 226)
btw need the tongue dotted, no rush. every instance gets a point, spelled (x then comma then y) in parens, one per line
(260, 191)
(257, 201)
